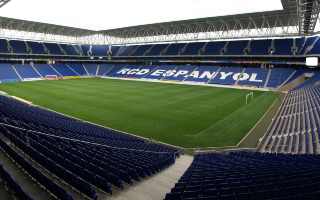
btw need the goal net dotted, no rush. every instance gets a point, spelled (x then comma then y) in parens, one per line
(51, 77)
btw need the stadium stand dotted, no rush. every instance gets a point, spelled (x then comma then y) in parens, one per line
(261, 47)
(26, 71)
(223, 75)
(76, 151)
(8, 74)
(36, 48)
(78, 69)
(53, 48)
(247, 175)
(257, 51)
(91, 69)
(295, 128)
(18, 47)
(12, 184)
(4, 48)
(64, 70)
(45, 70)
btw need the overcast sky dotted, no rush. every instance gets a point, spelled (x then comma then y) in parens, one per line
(108, 14)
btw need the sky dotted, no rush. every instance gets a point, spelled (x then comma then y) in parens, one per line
(109, 14)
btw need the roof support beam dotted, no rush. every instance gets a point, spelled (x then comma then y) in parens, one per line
(3, 2)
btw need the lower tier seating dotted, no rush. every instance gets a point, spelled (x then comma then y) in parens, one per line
(296, 126)
(249, 176)
(83, 155)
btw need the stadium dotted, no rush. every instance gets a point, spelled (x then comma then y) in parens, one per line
(222, 107)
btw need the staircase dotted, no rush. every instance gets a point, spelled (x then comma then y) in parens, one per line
(45, 48)
(10, 49)
(268, 78)
(61, 49)
(29, 50)
(15, 70)
(35, 69)
(309, 48)
(296, 82)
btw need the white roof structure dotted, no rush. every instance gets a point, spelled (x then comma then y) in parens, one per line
(49, 20)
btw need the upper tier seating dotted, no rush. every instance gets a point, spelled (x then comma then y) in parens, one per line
(156, 50)
(260, 47)
(4, 46)
(249, 176)
(18, 47)
(193, 48)
(307, 43)
(173, 49)
(37, 48)
(296, 126)
(283, 47)
(69, 49)
(236, 47)
(212, 48)
(141, 50)
(54, 49)
(99, 50)
(81, 154)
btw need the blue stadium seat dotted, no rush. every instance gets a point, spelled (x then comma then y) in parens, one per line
(91, 69)
(283, 46)
(193, 49)
(45, 70)
(4, 46)
(213, 48)
(246, 175)
(236, 47)
(7, 73)
(260, 47)
(53, 49)
(18, 47)
(156, 49)
(26, 71)
(64, 70)
(36, 48)
(78, 69)
(69, 49)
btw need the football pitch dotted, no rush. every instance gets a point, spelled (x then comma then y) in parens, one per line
(183, 115)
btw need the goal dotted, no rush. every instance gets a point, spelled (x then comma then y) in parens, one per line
(51, 77)
(249, 97)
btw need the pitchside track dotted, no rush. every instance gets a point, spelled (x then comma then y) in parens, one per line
(183, 115)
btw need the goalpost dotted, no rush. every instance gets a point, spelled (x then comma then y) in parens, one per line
(51, 77)
(249, 97)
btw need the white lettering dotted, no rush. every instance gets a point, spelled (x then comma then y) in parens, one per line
(254, 78)
(208, 74)
(181, 72)
(123, 71)
(241, 76)
(225, 75)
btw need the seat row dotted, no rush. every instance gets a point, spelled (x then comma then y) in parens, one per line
(249, 175)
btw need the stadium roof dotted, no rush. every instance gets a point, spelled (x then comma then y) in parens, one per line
(298, 17)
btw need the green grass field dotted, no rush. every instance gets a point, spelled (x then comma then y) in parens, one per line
(188, 116)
